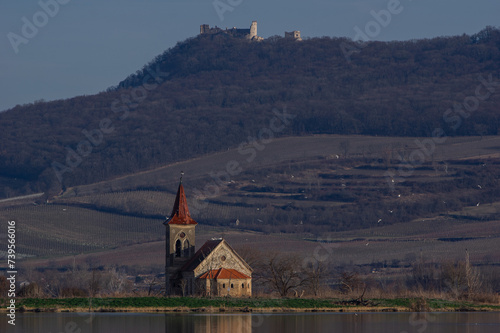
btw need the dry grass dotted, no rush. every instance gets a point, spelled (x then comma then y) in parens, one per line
(486, 298)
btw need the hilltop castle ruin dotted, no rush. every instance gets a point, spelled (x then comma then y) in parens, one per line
(293, 35)
(250, 34)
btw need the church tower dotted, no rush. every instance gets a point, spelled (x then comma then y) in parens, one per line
(180, 238)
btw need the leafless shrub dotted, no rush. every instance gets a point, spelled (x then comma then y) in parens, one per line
(31, 290)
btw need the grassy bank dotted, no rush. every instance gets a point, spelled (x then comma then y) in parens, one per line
(188, 304)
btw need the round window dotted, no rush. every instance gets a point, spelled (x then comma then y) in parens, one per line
(182, 235)
(223, 258)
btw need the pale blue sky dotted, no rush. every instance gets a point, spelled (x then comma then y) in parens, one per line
(91, 45)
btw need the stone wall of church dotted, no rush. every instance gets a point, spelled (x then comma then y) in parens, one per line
(234, 287)
(225, 287)
(222, 257)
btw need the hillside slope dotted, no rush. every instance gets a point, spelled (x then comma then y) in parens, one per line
(307, 184)
(211, 93)
(305, 195)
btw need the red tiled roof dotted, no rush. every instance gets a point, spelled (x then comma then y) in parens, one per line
(224, 273)
(180, 212)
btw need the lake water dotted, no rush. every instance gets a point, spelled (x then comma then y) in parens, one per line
(484, 322)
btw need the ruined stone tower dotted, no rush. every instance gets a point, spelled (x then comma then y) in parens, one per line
(253, 30)
(293, 35)
(204, 29)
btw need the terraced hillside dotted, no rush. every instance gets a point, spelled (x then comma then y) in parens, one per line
(315, 190)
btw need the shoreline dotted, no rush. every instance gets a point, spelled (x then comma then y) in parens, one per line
(242, 305)
(245, 310)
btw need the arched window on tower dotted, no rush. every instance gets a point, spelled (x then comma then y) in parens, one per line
(178, 248)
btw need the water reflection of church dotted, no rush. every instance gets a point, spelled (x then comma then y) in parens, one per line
(220, 323)
(214, 270)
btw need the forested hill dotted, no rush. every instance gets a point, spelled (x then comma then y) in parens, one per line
(212, 92)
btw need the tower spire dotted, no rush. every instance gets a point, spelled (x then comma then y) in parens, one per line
(180, 211)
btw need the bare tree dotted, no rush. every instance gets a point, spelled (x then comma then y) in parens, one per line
(50, 282)
(472, 277)
(314, 277)
(282, 273)
(114, 281)
(461, 278)
(349, 282)
(453, 277)
(94, 283)
(424, 275)
(250, 254)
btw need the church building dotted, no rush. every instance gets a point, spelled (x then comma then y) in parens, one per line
(214, 270)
